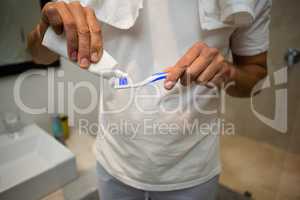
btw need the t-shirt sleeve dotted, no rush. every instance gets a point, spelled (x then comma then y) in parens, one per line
(253, 39)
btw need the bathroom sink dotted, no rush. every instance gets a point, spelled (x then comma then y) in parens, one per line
(33, 165)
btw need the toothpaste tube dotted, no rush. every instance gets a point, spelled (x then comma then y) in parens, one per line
(105, 68)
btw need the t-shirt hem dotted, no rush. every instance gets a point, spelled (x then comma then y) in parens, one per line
(160, 187)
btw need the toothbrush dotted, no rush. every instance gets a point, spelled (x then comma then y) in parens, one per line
(124, 83)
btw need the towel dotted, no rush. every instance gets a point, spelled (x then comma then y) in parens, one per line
(121, 14)
(214, 14)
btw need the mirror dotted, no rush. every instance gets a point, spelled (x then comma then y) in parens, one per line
(17, 19)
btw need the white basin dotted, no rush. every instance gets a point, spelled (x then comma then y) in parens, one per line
(33, 165)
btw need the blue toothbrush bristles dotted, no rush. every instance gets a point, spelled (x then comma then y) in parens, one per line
(123, 81)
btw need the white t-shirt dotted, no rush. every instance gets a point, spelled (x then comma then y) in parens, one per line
(160, 140)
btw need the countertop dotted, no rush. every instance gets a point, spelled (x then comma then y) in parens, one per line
(84, 187)
(82, 146)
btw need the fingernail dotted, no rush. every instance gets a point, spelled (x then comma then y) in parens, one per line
(74, 55)
(84, 62)
(95, 57)
(169, 85)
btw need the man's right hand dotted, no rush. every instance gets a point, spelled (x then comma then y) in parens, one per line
(82, 30)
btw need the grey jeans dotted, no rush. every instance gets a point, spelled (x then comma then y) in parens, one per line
(110, 188)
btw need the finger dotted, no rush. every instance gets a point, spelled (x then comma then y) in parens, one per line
(96, 48)
(35, 37)
(226, 74)
(51, 16)
(70, 30)
(177, 71)
(41, 29)
(197, 67)
(83, 33)
(218, 79)
(212, 69)
(35, 47)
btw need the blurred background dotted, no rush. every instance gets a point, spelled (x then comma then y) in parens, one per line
(258, 160)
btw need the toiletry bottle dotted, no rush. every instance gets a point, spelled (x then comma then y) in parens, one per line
(65, 126)
(57, 129)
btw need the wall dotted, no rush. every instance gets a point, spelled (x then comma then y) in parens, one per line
(34, 93)
(285, 32)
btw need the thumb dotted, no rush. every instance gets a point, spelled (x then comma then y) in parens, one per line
(174, 74)
(41, 29)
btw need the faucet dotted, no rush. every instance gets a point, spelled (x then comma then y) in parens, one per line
(12, 124)
(292, 57)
